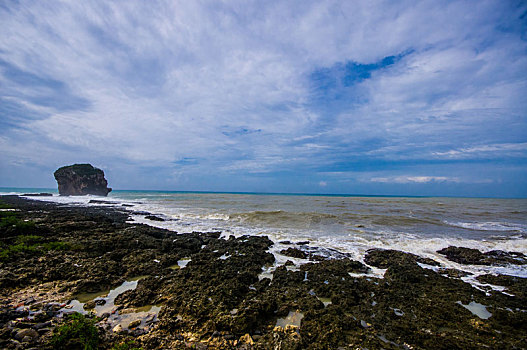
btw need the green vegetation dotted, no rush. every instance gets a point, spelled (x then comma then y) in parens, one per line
(4, 205)
(57, 245)
(31, 244)
(29, 239)
(20, 237)
(9, 219)
(78, 332)
(129, 345)
(79, 169)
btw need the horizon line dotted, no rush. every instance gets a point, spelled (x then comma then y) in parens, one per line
(307, 194)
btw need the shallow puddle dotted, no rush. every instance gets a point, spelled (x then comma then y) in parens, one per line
(325, 301)
(183, 263)
(294, 318)
(477, 309)
(110, 298)
(146, 315)
(398, 312)
(267, 272)
(85, 297)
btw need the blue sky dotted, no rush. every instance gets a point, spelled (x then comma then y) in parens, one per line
(365, 97)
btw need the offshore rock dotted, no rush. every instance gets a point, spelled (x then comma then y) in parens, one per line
(81, 179)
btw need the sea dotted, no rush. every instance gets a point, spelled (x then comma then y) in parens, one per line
(334, 224)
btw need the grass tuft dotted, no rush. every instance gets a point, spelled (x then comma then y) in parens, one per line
(78, 332)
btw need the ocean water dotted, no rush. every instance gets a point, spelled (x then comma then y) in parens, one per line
(347, 224)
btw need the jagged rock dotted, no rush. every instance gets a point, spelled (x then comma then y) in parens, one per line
(154, 218)
(469, 256)
(28, 332)
(81, 179)
(383, 258)
(294, 253)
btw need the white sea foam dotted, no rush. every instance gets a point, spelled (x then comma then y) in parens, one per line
(348, 225)
(491, 226)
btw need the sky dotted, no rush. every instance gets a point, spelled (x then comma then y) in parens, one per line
(357, 97)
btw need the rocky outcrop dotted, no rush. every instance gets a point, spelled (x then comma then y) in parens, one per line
(81, 179)
(469, 256)
(384, 258)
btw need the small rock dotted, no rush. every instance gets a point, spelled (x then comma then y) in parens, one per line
(294, 253)
(134, 324)
(28, 332)
(27, 339)
(24, 325)
(96, 201)
(43, 331)
(29, 301)
(42, 325)
(117, 329)
(89, 305)
(453, 273)
(154, 218)
(246, 339)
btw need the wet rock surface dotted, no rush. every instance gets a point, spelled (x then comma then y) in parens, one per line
(219, 300)
(384, 258)
(294, 253)
(471, 256)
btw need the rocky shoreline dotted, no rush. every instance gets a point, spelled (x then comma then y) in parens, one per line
(205, 292)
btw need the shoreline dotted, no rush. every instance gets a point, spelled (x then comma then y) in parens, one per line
(219, 299)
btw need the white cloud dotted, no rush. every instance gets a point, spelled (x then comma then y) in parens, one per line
(165, 80)
(414, 179)
(492, 150)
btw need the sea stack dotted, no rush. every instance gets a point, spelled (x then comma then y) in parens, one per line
(80, 180)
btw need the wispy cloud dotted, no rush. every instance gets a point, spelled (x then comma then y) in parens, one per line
(491, 150)
(414, 179)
